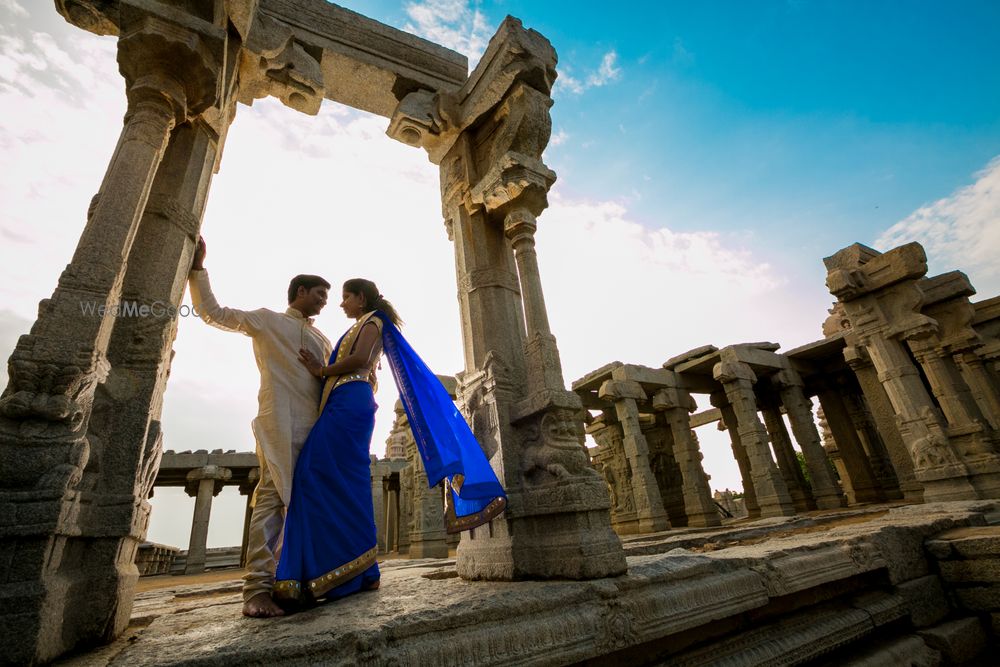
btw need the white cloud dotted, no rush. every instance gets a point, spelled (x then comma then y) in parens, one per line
(14, 8)
(960, 231)
(451, 23)
(559, 137)
(606, 73)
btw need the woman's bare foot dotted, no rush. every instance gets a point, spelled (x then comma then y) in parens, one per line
(262, 606)
(371, 586)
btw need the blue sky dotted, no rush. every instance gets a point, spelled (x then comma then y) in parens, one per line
(709, 155)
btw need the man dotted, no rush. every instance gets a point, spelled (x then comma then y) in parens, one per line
(288, 405)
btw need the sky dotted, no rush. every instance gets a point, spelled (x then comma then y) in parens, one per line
(709, 156)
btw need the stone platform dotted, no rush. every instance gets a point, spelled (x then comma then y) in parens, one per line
(850, 587)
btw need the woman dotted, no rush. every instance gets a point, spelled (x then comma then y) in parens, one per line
(329, 542)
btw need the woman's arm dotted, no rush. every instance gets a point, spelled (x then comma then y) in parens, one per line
(366, 348)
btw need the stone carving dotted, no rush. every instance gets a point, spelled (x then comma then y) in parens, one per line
(274, 62)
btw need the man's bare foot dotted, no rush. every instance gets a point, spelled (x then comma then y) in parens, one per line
(262, 606)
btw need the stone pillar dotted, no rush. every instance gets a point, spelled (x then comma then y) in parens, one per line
(852, 452)
(883, 301)
(426, 529)
(871, 441)
(650, 515)
(825, 490)
(885, 420)
(737, 379)
(788, 463)
(391, 521)
(614, 467)
(982, 385)
(79, 551)
(378, 502)
(204, 484)
(676, 406)
(494, 186)
(247, 489)
(729, 424)
(833, 453)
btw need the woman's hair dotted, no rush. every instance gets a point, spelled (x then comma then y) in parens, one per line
(373, 300)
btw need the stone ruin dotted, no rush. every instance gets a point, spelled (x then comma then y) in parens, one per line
(908, 382)
(81, 440)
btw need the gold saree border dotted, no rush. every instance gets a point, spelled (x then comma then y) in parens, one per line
(346, 343)
(291, 589)
(456, 524)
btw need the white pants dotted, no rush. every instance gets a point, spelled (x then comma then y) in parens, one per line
(264, 539)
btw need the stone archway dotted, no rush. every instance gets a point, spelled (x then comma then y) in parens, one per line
(80, 438)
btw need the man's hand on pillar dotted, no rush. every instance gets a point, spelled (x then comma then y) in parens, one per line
(200, 251)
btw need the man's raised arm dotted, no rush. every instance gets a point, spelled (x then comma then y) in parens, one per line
(208, 308)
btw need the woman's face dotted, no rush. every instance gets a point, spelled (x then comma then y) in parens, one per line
(353, 304)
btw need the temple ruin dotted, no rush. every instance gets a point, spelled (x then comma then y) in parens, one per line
(907, 379)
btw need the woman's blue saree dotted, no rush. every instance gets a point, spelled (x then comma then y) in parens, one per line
(329, 541)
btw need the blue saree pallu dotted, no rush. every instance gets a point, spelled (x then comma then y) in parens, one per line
(329, 541)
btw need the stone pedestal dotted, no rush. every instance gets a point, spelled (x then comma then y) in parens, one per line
(204, 484)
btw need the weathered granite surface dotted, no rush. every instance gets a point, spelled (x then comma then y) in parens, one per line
(805, 592)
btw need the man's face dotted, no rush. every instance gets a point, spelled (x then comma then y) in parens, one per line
(311, 301)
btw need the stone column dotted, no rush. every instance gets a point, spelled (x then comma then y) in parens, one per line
(494, 186)
(247, 489)
(378, 502)
(79, 550)
(737, 379)
(391, 521)
(982, 385)
(204, 484)
(788, 463)
(427, 534)
(885, 420)
(825, 490)
(852, 452)
(882, 301)
(614, 467)
(676, 406)
(729, 424)
(871, 441)
(650, 515)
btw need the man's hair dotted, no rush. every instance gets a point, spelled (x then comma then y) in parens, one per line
(304, 280)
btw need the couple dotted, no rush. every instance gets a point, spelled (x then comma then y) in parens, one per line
(312, 530)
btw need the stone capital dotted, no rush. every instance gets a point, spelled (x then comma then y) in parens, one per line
(671, 398)
(733, 371)
(787, 378)
(171, 53)
(253, 477)
(517, 181)
(218, 473)
(617, 390)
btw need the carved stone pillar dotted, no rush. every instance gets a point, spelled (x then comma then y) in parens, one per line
(650, 515)
(882, 300)
(882, 412)
(825, 490)
(788, 463)
(391, 520)
(871, 442)
(852, 452)
(80, 506)
(730, 424)
(614, 467)
(737, 379)
(676, 405)
(204, 484)
(378, 502)
(247, 489)
(494, 186)
(426, 526)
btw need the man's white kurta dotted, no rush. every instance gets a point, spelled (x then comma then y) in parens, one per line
(289, 395)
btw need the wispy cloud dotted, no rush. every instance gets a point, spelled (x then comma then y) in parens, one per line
(607, 72)
(559, 137)
(960, 231)
(452, 23)
(14, 7)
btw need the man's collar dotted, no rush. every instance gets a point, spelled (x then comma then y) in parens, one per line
(297, 314)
